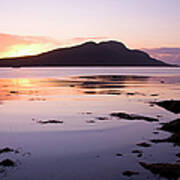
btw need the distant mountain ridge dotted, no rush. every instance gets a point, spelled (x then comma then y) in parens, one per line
(110, 53)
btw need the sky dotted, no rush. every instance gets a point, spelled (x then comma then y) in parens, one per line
(30, 27)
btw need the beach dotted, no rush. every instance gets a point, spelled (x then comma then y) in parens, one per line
(63, 123)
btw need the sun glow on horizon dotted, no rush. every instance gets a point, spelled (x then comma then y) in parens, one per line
(20, 50)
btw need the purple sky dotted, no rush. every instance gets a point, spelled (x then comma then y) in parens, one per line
(137, 23)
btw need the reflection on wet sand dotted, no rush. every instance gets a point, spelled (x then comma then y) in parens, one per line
(40, 89)
(113, 108)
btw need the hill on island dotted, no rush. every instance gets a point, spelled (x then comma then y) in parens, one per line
(109, 53)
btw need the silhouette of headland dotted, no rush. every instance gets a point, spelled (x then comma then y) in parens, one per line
(110, 53)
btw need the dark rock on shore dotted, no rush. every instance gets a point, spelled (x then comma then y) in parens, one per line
(167, 170)
(172, 127)
(178, 155)
(172, 105)
(175, 138)
(122, 115)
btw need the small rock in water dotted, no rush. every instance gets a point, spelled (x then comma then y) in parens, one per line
(6, 150)
(136, 151)
(50, 122)
(13, 92)
(90, 121)
(130, 94)
(155, 132)
(102, 118)
(7, 162)
(144, 144)
(130, 173)
(118, 154)
(154, 94)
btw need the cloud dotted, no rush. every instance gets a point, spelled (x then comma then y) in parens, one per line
(14, 45)
(169, 55)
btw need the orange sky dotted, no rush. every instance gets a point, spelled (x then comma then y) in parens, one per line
(14, 45)
(35, 26)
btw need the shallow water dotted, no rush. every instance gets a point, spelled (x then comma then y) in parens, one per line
(78, 148)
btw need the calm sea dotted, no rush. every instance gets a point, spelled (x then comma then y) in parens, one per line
(74, 71)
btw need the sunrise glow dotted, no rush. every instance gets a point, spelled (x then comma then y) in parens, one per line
(25, 50)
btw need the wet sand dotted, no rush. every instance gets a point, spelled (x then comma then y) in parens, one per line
(64, 129)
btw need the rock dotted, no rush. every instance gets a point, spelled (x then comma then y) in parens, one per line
(7, 162)
(167, 170)
(130, 94)
(102, 118)
(129, 173)
(144, 144)
(139, 155)
(172, 105)
(90, 92)
(175, 138)
(122, 115)
(173, 126)
(118, 154)
(137, 152)
(154, 94)
(13, 92)
(88, 113)
(178, 155)
(6, 150)
(50, 122)
(90, 121)
(155, 132)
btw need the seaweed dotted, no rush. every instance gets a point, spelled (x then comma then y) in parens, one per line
(122, 115)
